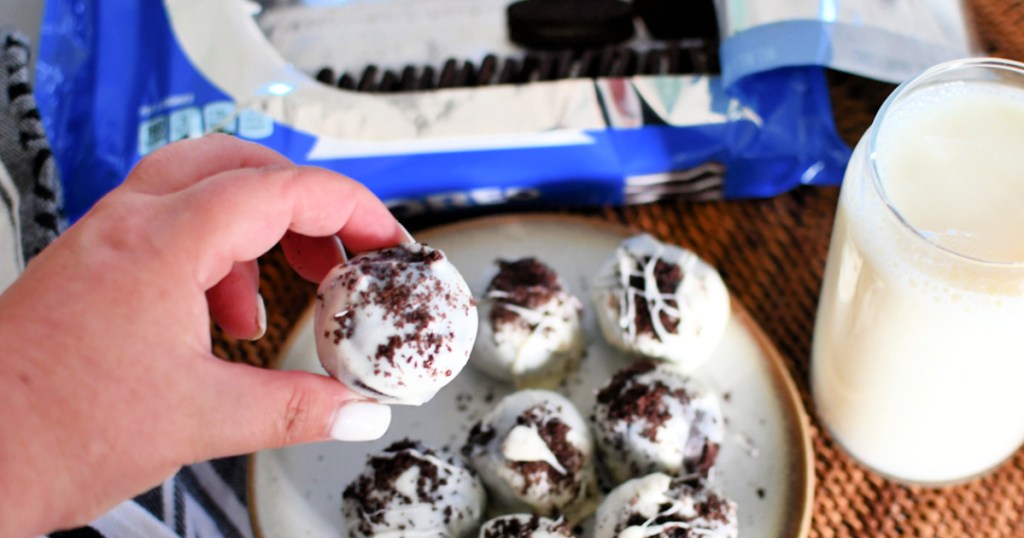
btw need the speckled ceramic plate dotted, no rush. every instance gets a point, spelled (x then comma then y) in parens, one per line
(765, 463)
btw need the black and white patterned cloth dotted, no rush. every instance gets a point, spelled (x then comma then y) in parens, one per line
(29, 187)
(203, 500)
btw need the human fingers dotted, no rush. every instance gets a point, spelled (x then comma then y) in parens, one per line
(312, 257)
(184, 163)
(241, 214)
(244, 409)
(235, 302)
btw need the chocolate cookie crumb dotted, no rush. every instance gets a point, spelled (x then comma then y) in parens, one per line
(525, 283)
(408, 475)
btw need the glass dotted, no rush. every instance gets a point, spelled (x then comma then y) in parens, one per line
(917, 363)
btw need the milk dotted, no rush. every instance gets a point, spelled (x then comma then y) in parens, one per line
(918, 355)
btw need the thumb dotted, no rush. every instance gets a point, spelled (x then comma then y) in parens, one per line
(245, 409)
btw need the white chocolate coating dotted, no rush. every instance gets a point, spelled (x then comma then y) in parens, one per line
(652, 418)
(698, 306)
(395, 325)
(428, 497)
(664, 505)
(514, 458)
(538, 345)
(524, 526)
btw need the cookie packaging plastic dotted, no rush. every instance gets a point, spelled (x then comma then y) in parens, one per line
(434, 126)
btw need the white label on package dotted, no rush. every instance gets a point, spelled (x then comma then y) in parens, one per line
(153, 134)
(186, 123)
(219, 117)
(254, 125)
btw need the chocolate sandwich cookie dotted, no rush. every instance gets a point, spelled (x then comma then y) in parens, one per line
(573, 24)
(676, 19)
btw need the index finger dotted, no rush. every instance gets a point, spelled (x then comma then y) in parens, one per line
(239, 215)
(184, 163)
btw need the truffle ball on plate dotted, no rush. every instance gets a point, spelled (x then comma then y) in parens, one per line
(529, 325)
(534, 454)
(395, 325)
(651, 417)
(661, 301)
(659, 505)
(408, 490)
(525, 526)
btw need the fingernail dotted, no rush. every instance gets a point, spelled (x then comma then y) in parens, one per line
(342, 257)
(261, 317)
(360, 421)
(408, 236)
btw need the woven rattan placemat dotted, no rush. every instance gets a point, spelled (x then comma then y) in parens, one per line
(772, 253)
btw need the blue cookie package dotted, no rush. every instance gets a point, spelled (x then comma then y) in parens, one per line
(118, 80)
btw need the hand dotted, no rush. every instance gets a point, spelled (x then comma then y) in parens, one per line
(107, 381)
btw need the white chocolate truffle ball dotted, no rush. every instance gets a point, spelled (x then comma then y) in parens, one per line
(661, 301)
(408, 491)
(395, 325)
(525, 526)
(529, 326)
(652, 418)
(659, 505)
(534, 453)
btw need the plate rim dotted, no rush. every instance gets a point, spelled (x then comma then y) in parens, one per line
(780, 373)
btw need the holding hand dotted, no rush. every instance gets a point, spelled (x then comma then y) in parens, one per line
(107, 381)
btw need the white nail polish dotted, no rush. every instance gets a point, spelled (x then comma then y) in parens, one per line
(408, 236)
(360, 421)
(342, 257)
(261, 317)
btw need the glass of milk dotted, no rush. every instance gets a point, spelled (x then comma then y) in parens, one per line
(917, 364)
